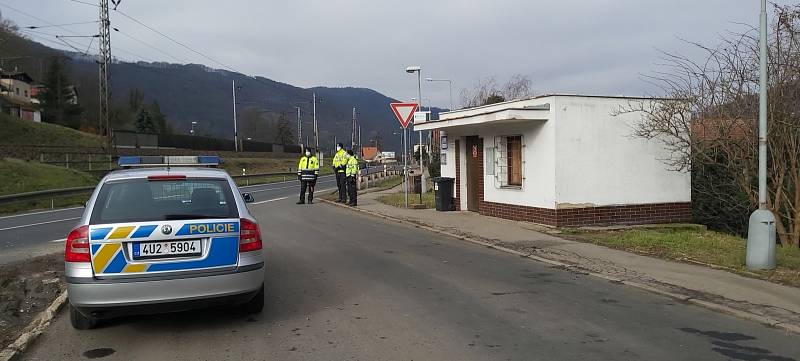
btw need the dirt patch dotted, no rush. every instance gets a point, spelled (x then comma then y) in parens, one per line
(27, 288)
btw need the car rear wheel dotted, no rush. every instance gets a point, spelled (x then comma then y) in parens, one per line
(256, 304)
(80, 321)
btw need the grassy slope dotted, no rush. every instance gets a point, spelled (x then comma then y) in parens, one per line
(695, 245)
(15, 131)
(18, 176)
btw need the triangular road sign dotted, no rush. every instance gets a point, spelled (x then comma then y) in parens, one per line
(404, 112)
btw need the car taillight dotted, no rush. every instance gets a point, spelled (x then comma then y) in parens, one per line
(249, 236)
(77, 245)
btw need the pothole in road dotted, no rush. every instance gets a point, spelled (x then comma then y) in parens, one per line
(99, 352)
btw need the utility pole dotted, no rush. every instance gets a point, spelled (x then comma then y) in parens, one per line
(353, 131)
(360, 147)
(761, 233)
(316, 130)
(235, 131)
(105, 58)
(299, 127)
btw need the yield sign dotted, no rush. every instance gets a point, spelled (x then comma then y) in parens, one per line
(404, 112)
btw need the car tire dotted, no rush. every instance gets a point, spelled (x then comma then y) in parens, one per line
(256, 304)
(80, 321)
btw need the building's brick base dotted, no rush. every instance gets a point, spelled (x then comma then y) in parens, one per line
(457, 200)
(632, 214)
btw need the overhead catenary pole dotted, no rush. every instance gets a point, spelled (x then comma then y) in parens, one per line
(235, 130)
(353, 131)
(316, 131)
(105, 59)
(761, 231)
(299, 127)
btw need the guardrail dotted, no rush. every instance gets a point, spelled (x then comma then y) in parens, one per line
(63, 192)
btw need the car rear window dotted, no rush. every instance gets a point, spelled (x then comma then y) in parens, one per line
(142, 200)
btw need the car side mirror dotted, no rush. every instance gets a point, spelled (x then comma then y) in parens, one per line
(248, 198)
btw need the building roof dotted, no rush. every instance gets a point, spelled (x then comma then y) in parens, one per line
(530, 109)
(369, 153)
(17, 76)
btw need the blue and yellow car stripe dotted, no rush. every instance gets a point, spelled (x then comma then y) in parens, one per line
(109, 257)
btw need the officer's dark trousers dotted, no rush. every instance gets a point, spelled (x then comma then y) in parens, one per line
(352, 191)
(310, 185)
(341, 183)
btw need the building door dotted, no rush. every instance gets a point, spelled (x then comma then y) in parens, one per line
(474, 155)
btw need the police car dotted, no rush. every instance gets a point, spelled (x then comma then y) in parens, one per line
(166, 234)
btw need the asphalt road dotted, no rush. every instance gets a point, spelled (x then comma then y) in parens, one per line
(343, 286)
(43, 232)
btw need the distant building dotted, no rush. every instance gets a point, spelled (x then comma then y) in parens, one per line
(559, 160)
(368, 154)
(16, 96)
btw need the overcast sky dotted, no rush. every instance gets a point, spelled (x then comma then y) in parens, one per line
(572, 46)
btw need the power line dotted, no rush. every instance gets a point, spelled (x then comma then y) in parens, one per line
(175, 41)
(147, 45)
(37, 18)
(68, 24)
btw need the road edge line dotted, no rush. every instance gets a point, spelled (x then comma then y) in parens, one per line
(719, 308)
(34, 329)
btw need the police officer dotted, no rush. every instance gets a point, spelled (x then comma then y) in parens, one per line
(307, 172)
(352, 173)
(339, 167)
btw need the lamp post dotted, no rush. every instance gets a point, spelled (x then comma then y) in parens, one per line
(299, 127)
(191, 131)
(418, 70)
(450, 85)
(761, 231)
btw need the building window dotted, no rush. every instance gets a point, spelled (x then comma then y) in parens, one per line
(508, 161)
(26, 93)
(17, 91)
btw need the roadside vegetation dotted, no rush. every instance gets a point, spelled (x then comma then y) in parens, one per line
(694, 244)
(19, 176)
(15, 131)
(398, 199)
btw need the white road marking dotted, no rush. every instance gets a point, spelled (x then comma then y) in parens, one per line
(270, 200)
(39, 224)
(42, 212)
(58, 240)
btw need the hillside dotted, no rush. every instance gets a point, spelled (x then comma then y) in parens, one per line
(17, 176)
(194, 92)
(15, 132)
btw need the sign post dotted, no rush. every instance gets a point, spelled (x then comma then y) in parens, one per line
(404, 113)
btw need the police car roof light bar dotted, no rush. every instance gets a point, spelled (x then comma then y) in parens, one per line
(135, 161)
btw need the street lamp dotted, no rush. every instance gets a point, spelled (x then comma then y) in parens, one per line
(235, 130)
(450, 84)
(411, 70)
(191, 131)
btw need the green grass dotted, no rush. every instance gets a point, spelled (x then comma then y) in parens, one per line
(388, 183)
(398, 199)
(18, 176)
(691, 244)
(15, 131)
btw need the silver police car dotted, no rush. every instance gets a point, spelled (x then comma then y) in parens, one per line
(163, 237)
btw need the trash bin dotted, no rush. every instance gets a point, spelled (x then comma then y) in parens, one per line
(443, 187)
(417, 184)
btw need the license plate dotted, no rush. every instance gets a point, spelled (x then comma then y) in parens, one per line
(169, 249)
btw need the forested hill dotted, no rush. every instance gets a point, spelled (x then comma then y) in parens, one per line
(192, 92)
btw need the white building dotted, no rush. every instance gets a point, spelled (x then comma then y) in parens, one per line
(560, 160)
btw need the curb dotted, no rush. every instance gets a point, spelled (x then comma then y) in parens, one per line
(677, 296)
(34, 329)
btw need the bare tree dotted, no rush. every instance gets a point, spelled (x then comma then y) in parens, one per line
(487, 91)
(708, 120)
(517, 87)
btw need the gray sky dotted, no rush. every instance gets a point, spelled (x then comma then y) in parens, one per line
(589, 46)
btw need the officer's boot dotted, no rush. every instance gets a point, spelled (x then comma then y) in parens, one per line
(302, 200)
(311, 198)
